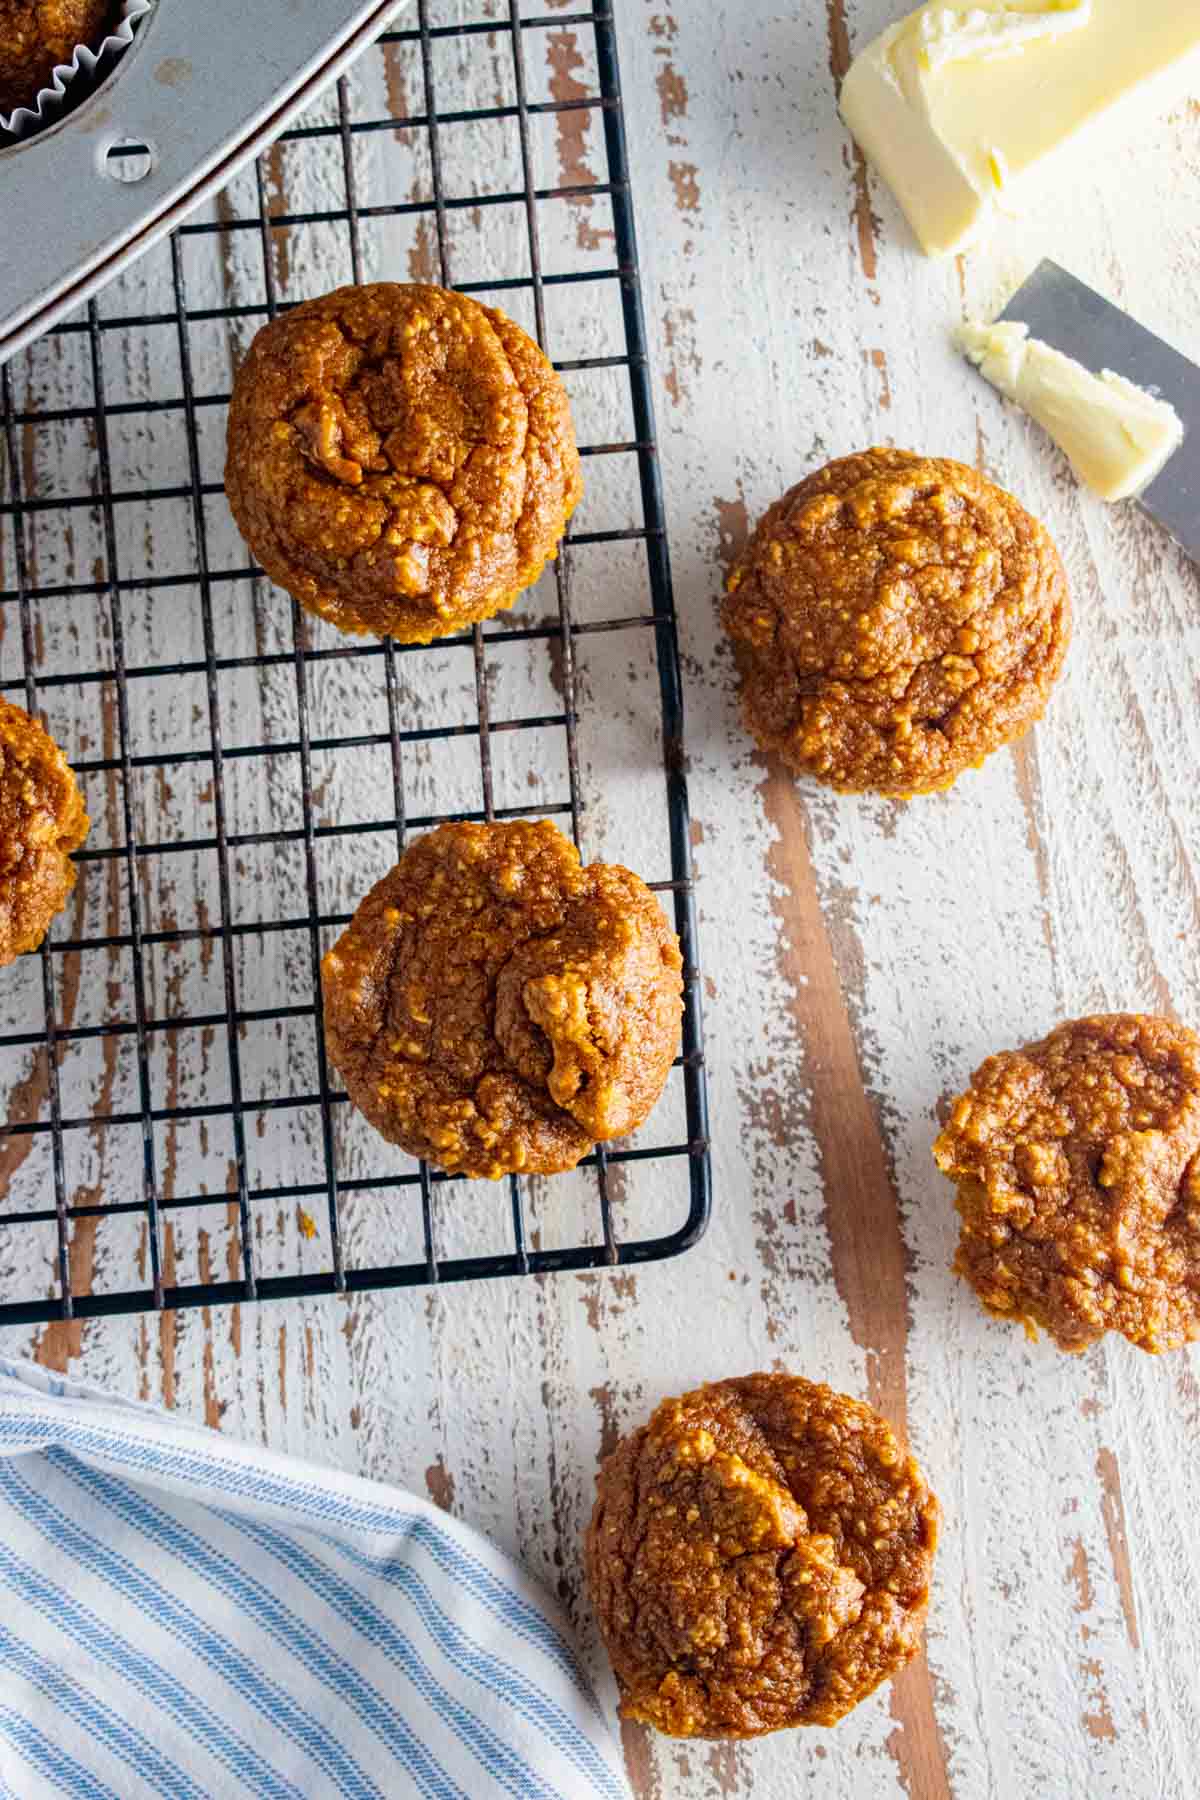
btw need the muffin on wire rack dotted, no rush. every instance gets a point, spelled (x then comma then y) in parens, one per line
(496, 1008)
(42, 820)
(401, 459)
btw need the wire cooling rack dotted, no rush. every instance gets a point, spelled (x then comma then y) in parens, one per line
(172, 1136)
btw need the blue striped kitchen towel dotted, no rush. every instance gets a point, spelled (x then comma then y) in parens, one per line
(186, 1616)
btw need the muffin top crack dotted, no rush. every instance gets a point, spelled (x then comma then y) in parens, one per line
(759, 1557)
(493, 1007)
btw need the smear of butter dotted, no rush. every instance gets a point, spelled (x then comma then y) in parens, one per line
(961, 108)
(950, 34)
(1116, 435)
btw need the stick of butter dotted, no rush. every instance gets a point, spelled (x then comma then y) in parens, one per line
(1116, 436)
(960, 107)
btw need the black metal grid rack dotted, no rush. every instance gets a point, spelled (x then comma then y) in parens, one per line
(148, 1280)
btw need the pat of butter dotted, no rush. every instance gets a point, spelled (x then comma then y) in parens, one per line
(1116, 435)
(961, 107)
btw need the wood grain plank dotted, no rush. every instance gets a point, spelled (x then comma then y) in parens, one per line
(862, 1217)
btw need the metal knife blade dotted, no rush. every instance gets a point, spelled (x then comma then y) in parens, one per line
(1070, 316)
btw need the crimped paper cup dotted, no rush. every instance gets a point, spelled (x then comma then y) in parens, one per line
(25, 120)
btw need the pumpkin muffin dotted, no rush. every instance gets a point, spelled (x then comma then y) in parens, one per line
(759, 1556)
(37, 35)
(400, 458)
(42, 821)
(1077, 1164)
(494, 1007)
(896, 618)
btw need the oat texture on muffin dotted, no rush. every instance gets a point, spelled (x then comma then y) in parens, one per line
(895, 618)
(495, 1007)
(1077, 1166)
(42, 820)
(37, 35)
(759, 1557)
(400, 458)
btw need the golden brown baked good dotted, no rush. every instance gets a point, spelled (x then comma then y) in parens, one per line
(400, 458)
(896, 618)
(1078, 1181)
(759, 1556)
(492, 1006)
(41, 821)
(37, 35)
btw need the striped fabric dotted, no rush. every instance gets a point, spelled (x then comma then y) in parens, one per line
(185, 1616)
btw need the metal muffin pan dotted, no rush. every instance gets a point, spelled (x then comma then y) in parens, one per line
(201, 90)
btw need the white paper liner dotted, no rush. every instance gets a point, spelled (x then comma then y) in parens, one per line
(25, 120)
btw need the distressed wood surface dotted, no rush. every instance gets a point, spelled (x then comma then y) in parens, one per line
(861, 956)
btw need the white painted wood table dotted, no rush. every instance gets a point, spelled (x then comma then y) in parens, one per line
(861, 956)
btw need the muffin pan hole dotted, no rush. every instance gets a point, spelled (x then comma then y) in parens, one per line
(128, 160)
